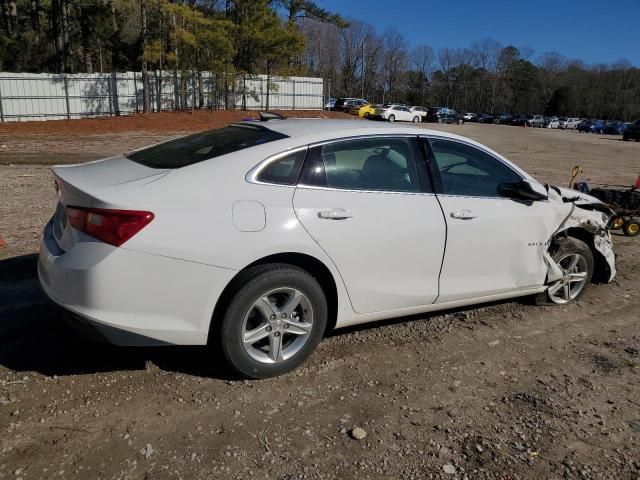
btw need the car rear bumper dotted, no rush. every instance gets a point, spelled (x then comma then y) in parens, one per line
(130, 297)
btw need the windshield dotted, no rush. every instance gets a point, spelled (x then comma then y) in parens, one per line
(204, 145)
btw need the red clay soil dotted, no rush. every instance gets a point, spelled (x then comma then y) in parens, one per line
(154, 122)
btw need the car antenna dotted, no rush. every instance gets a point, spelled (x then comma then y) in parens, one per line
(266, 116)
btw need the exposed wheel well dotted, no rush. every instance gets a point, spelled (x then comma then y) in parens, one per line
(601, 270)
(311, 265)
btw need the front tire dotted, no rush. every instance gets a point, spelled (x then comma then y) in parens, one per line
(575, 258)
(416, 119)
(274, 321)
(392, 118)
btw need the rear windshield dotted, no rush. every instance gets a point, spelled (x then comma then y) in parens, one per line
(203, 146)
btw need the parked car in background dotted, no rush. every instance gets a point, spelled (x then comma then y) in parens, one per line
(615, 128)
(370, 235)
(433, 113)
(396, 112)
(562, 123)
(450, 117)
(572, 123)
(470, 117)
(344, 104)
(421, 111)
(553, 123)
(584, 126)
(504, 118)
(519, 120)
(486, 118)
(330, 103)
(535, 121)
(597, 126)
(632, 132)
(364, 111)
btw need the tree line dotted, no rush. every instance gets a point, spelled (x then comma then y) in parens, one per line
(486, 77)
(297, 37)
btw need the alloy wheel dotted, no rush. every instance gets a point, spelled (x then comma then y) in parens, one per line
(277, 325)
(575, 270)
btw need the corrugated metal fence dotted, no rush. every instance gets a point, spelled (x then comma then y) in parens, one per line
(27, 96)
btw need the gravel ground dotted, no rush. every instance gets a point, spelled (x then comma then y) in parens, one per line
(505, 391)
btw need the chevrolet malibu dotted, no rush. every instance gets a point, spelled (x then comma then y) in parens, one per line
(259, 237)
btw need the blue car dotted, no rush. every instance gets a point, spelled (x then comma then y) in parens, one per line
(584, 126)
(616, 128)
(597, 127)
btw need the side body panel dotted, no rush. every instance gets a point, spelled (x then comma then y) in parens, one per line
(389, 251)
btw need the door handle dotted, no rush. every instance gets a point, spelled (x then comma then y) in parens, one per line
(334, 214)
(462, 215)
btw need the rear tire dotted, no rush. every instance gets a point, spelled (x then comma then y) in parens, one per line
(577, 277)
(392, 118)
(261, 339)
(416, 119)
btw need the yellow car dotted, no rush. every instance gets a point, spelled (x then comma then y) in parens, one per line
(364, 111)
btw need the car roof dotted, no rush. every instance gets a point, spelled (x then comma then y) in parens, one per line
(328, 129)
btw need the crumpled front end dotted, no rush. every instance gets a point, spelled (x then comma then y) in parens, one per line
(578, 210)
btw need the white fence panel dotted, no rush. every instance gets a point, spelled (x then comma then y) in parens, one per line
(26, 96)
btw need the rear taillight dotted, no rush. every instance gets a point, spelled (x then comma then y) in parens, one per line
(111, 226)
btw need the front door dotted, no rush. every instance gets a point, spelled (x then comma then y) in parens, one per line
(365, 203)
(494, 244)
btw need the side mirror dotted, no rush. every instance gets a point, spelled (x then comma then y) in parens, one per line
(523, 190)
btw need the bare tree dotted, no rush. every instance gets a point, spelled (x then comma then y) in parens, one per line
(394, 61)
(551, 65)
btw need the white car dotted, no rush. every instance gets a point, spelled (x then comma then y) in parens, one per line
(396, 113)
(554, 123)
(468, 116)
(258, 238)
(572, 123)
(421, 111)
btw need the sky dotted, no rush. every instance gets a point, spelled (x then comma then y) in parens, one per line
(595, 31)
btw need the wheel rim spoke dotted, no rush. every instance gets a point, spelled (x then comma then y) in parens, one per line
(555, 287)
(574, 262)
(298, 328)
(257, 334)
(567, 292)
(266, 308)
(275, 347)
(577, 277)
(292, 303)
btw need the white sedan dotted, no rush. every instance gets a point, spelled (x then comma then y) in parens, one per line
(396, 113)
(258, 238)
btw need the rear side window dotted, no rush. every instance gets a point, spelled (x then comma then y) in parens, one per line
(386, 164)
(204, 146)
(284, 170)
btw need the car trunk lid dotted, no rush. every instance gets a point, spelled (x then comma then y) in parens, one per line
(87, 186)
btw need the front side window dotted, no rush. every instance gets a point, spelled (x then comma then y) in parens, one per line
(284, 170)
(467, 171)
(386, 164)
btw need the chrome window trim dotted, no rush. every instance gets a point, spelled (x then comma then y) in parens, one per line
(252, 175)
(350, 190)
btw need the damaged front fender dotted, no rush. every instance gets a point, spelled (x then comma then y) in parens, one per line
(575, 210)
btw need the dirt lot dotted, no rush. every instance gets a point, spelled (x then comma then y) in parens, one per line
(504, 391)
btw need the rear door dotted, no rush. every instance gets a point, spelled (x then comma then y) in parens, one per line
(367, 203)
(494, 244)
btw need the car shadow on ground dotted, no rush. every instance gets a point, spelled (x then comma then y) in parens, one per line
(35, 337)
